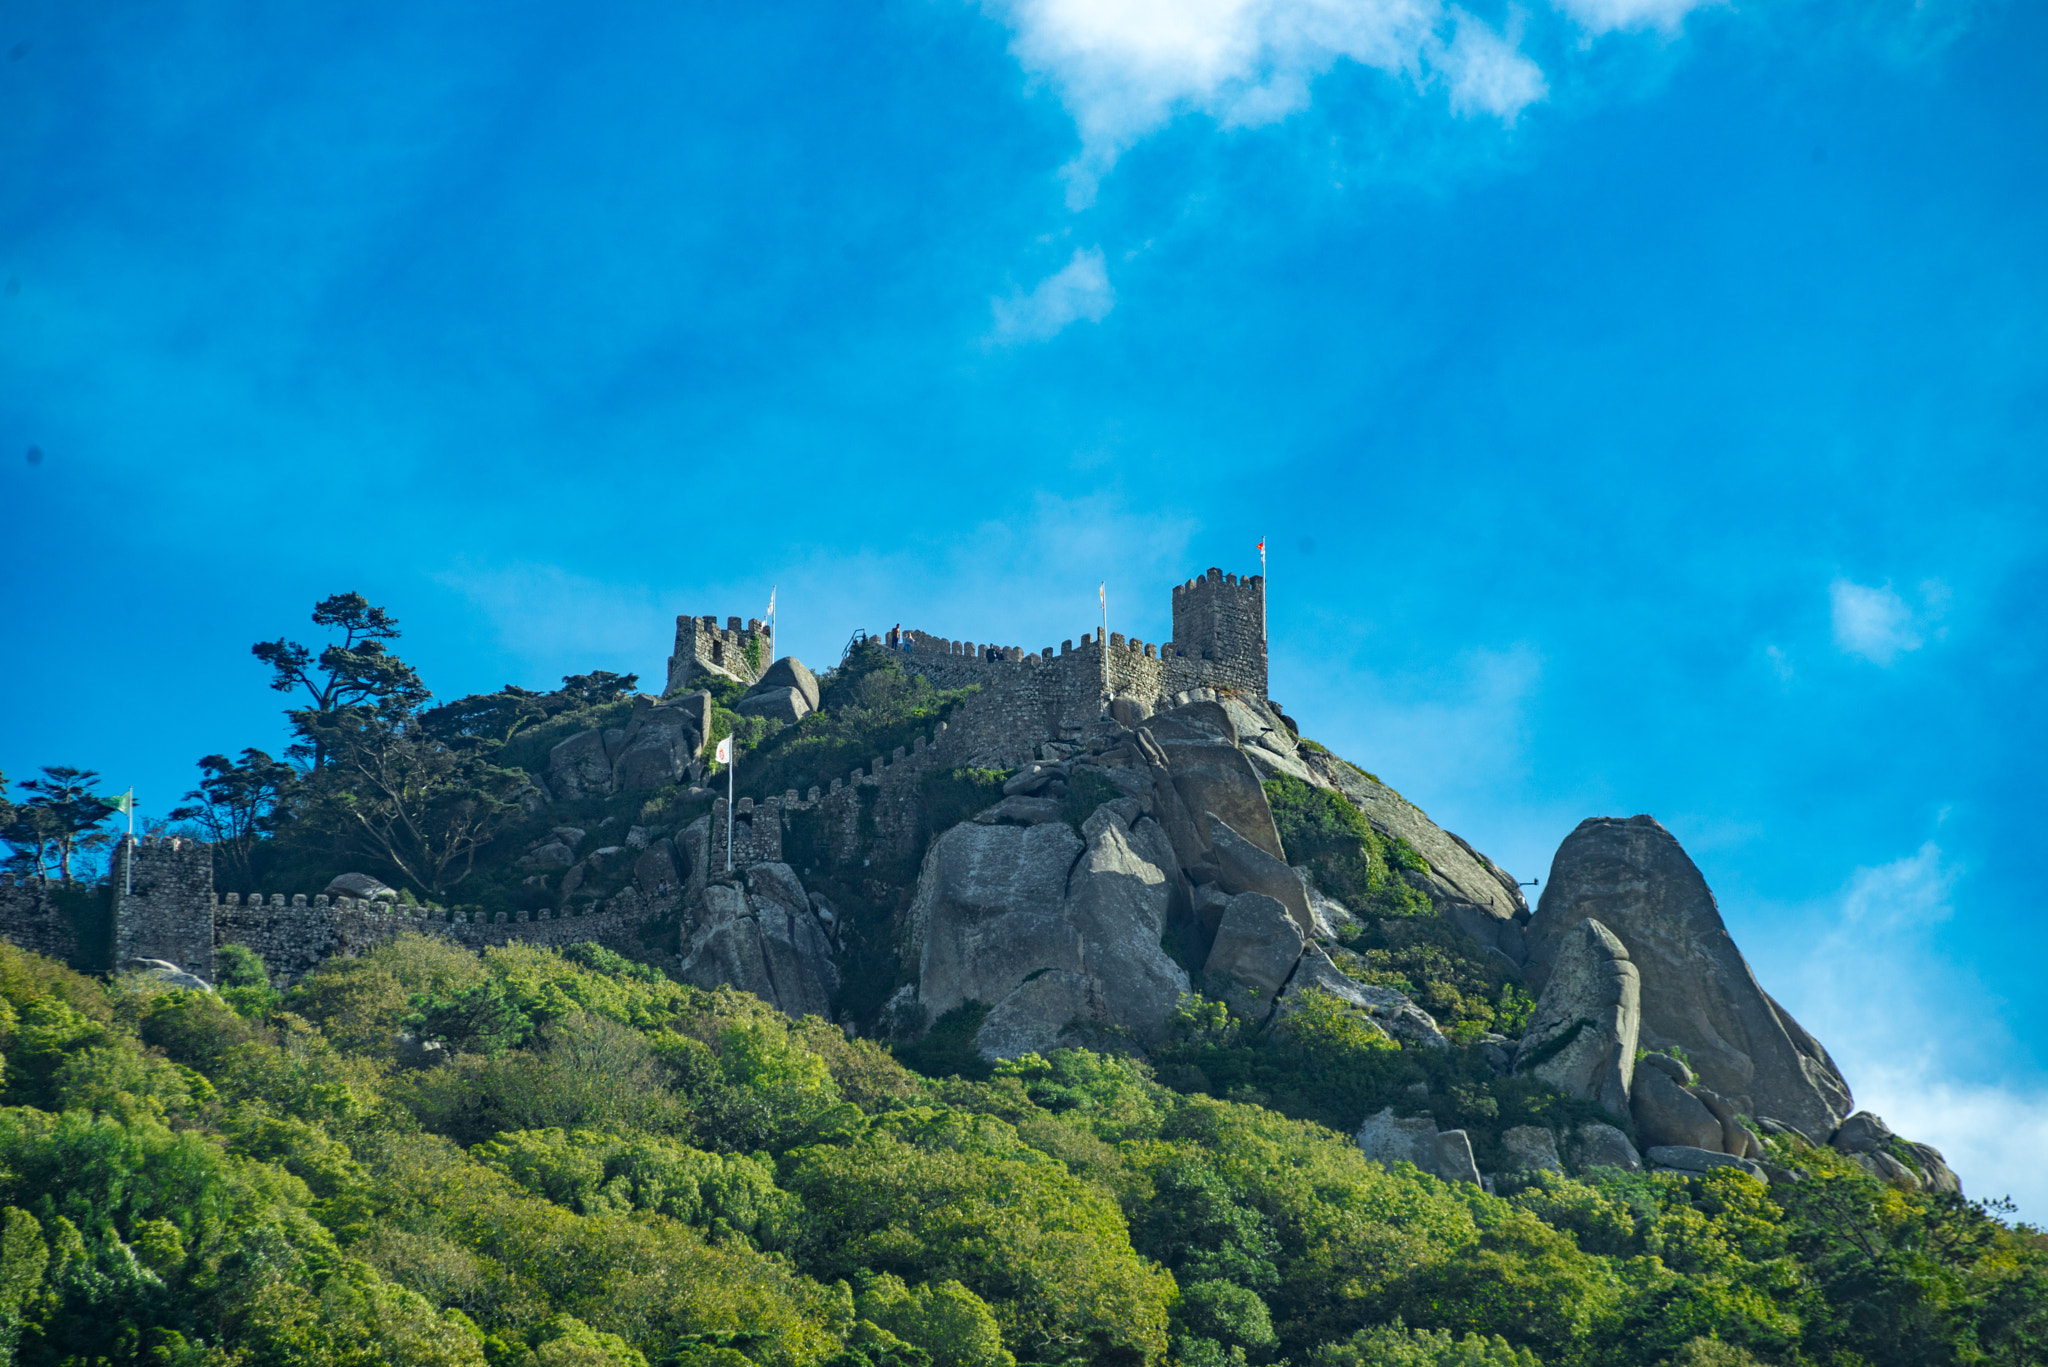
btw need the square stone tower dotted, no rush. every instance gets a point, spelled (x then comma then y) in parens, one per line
(704, 648)
(163, 902)
(1221, 619)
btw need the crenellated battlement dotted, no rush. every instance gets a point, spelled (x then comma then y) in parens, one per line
(164, 907)
(703, 647)
(1219, 642)
(1221, 619)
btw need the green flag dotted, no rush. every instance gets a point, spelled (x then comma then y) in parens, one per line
(122, 802)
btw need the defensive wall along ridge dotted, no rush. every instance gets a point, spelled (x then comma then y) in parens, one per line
(164, 905)
(1219, 642)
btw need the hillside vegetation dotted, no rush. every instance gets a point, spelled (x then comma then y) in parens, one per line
(615, 1169)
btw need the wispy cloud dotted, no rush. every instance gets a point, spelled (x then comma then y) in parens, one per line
(1876, 987)
(1488, 72)
(1905, 894)
(1080, 289)
(1874, 622)
(551, 619)
(1608, 16)
(1125, 68)
(1993, 1136)
(1024, 578)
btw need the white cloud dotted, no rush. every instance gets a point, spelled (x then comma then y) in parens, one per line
(1608, 16)
(1079, 289)
(1024, 577)
(1915, 1035)
(1879, 625)
(1124, 68)
(1901, 895)
(1992, 1136)
(1488, 72)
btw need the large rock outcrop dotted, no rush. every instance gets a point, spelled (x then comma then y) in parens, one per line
(790, 672)
(657, 746)
(765, 939)
(1210, 774)
(1666, 1112)
(1049, 929)
(1582, 1038)
(1697, 991)
(1242, 866)
(1257, 945)
(1390, 1139)
(1868, 1142)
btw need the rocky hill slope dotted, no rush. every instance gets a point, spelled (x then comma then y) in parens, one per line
(1206, 852)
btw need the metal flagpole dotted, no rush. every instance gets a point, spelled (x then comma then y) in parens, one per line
(128, 868)
(723, 755)
(1265, 591)
(1102, 593)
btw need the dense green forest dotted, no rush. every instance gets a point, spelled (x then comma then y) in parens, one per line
(611, 1168)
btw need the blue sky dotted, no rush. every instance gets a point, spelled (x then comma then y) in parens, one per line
(1645, 402)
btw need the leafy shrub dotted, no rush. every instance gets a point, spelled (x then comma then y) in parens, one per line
(1394, 1346)
(1087, 789)
(866, 708)
(947, 1049)
(1349, 859)
(594, 1173)
(950, 1323)
(664, 1175)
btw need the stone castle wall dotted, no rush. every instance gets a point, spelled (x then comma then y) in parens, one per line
(1028, 697)
(294, 936)
(164, 907)
(1220, 620)
(704, 647)
(885, 791)
(32, 920)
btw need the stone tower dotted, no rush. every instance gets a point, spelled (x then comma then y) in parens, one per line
(1221, 619)
(705, 649)
(163, 902)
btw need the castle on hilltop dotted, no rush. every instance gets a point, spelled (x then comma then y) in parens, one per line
(1219, 641)
(1027, 705)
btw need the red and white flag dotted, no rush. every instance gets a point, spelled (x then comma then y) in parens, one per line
(724, 752)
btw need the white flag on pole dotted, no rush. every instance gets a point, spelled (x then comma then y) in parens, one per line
(724, 753)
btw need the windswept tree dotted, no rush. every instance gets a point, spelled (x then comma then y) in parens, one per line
(355, 673)
(415, 793)
(236, 804)
(57, 823)
(398, 795)
(495, 718)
